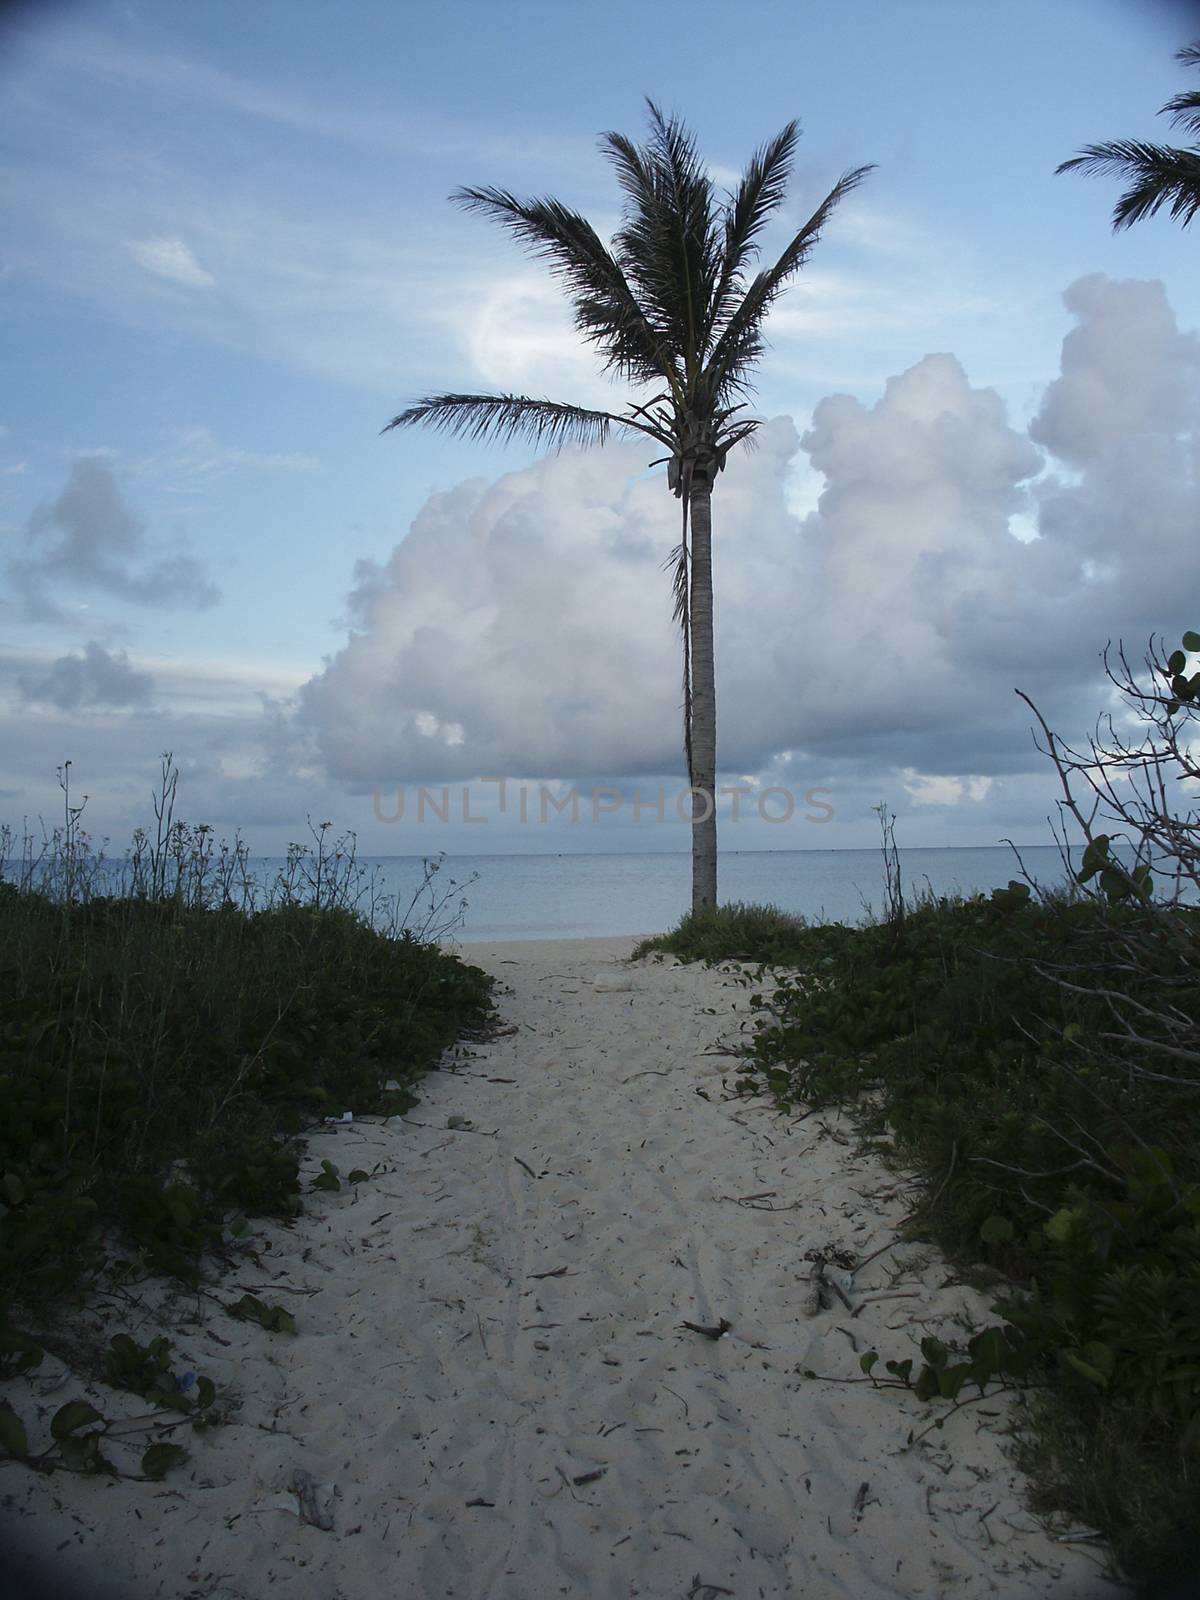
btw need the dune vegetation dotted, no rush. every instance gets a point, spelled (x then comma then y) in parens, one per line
(170, 1028)
(1034, 1059)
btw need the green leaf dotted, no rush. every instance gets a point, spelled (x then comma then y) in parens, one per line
(248, 1309)
(357, 1176)
(1191, 640)
(70, 1418)
(12, 1188)
(935, 1352)
(1062, 1224)
(1176, 662)
(84, 1455)
(990, 1351)
(1084, 1368)
(1094, 857)
(927, 1384)
(274, 1318)
(18, 1352)
(158, 1460)
(206, 1393)
(1101, 1356)
(996, 1230)
(951, 1380)
(868, 1361)
(12, 1434)
(1114, 885)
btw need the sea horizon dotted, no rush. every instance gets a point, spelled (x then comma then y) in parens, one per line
(606, 894)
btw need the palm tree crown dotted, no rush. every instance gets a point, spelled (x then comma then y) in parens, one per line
(1157, 174)
(671, 306)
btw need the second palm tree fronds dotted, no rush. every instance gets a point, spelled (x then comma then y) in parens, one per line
(1158, 175)
(671, 307)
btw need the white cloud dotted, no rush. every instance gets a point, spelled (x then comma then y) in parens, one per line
(1129, 375)
(942, 789)
(494, 619)
(196, 453)
(827, 304)
(171, 259)
(517, 334)
(883, 631)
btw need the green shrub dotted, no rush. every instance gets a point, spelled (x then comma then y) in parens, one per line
(161, 1051)
(735, 932)
(961, 1036)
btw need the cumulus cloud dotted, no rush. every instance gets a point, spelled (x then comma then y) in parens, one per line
(516, 621)
(171, 259)
(522, 627)
(90, 538)
(1128, 373)
(1124, 417)
(95, 678)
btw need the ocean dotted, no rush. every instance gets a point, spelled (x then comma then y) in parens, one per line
(596, 896)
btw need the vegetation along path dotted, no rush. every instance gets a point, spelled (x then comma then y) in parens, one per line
(556, 1344)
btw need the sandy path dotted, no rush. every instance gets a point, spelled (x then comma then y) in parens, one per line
(491, 1387)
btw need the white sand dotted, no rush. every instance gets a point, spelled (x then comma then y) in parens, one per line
(490, 1386)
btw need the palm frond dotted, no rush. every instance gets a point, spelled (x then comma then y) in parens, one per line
(668, 245)
(510, 416)
(741, 340)
(1190, 54)
(1157, 176)
(761, 191)
(1185, 110)
(633, 175)
(607, 313)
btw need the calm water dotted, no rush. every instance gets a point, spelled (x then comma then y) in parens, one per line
(595, 896)
(599, 896)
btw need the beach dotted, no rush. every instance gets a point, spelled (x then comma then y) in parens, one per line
(493, 1392)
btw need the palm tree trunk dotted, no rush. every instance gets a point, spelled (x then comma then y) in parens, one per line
(704, 697)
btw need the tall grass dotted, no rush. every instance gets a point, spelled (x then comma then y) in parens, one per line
(185, 864)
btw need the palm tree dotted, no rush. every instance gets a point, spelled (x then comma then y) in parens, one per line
(668, 307)
(1157, 174)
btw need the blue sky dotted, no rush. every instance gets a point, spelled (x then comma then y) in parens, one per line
(229, 259)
